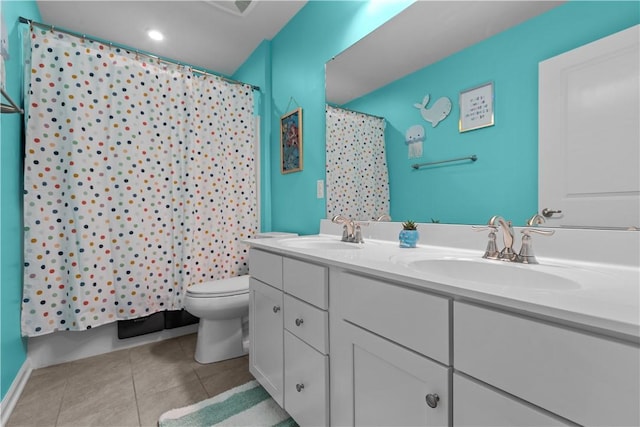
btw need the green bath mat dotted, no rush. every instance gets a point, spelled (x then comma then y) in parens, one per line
(246, 405)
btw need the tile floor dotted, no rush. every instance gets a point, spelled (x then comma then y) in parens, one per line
(131, 387)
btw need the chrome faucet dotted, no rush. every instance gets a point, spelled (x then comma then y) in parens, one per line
(384, 217)
(525, 255)
(351, 230)
(506, 254)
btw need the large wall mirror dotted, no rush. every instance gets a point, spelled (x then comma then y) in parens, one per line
(440, 49)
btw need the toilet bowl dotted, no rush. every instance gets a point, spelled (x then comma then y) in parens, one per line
(221, 306)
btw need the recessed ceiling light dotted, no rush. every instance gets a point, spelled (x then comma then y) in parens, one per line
(155, 35)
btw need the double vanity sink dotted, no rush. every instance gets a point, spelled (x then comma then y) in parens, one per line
(458, 269)
(592, 293)
(437, 335)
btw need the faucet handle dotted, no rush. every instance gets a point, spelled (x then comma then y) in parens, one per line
(491, 252)
(526, 255)
(491, 227)
(527, 231)
(358, 234)
(536, 219)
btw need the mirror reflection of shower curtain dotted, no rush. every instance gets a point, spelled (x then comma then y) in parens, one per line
(357, 174)
(139, 181)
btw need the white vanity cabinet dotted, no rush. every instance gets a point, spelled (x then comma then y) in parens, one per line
(587, 379)
(289, 335)
(389, 354)
(346, 344)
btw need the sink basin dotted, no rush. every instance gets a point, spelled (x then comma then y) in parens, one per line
(495, 273)
(323, 243)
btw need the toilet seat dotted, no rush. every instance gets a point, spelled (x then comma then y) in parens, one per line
(220, 288)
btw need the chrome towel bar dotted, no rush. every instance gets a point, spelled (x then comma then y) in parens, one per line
(473, 158)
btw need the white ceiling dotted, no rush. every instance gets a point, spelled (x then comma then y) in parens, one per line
(196, 32)
(422, 34)
(201, 33)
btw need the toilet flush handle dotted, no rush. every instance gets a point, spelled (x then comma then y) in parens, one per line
(299, 322)
(276, 308)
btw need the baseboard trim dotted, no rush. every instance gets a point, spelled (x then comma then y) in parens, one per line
(13, 394)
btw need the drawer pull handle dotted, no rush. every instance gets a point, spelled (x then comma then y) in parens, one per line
(299, 387)
(432, 400)
(276, 308)
(299, 322)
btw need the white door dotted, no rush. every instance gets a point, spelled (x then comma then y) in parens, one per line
(389, 384)
(266, 346)
(589, 133)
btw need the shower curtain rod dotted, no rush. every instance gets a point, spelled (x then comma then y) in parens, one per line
(120, 46)
(354, 111)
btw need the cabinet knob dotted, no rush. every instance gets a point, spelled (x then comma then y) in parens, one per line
(276, 308)
(299, 387)
(432, 400)
(299, 322)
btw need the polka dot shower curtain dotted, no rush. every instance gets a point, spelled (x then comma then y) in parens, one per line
(357, 175)
(139, 181)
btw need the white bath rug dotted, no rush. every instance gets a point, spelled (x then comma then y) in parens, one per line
(246, 405)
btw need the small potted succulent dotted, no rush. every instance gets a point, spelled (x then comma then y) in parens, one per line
(409, 235)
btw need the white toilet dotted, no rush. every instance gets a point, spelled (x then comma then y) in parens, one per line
(223, 308)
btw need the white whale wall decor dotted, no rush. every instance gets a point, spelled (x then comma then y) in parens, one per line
(437, 113)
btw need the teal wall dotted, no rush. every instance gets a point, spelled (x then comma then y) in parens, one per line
(504, 179)
(13, 349)
(321, 30)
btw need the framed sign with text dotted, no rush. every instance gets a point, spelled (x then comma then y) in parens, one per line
(476, 107)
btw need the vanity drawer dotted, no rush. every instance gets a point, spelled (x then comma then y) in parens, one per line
(306, 382)
(584, 378)
(412, 318)
(307, 322)
(477, 405)
(266, 267)
(307, 281)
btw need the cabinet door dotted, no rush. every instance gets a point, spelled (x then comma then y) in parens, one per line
(476, 405)
(306, 382)
(375, 382)
(266, 351)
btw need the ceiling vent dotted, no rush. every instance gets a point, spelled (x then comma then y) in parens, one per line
(236, 7)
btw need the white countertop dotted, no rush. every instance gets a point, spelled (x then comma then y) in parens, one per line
(606, 298)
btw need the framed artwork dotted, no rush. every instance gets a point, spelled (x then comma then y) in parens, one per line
(476, 107)
(291, 141)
